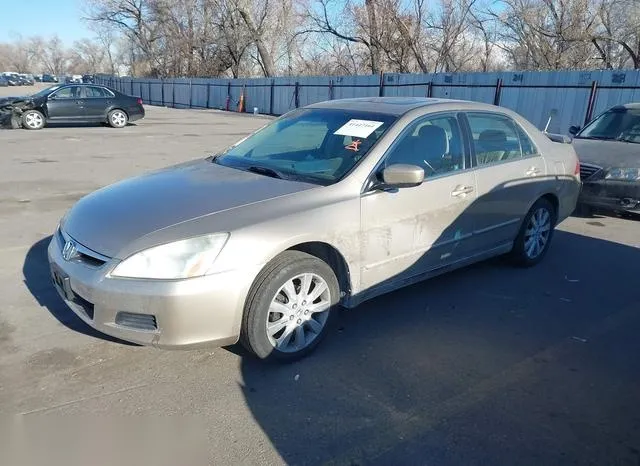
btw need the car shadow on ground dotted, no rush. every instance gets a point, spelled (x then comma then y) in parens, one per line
(82, 125)
(485, 365)
(37, 278)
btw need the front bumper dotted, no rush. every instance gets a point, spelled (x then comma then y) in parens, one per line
(623, 196)
(187, 314)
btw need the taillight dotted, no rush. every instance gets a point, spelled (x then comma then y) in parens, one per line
(576, 171)
(139, 101)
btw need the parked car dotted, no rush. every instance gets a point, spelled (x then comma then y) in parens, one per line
(13, 79)
(28, 79)
(88, 79)
(76, 103)
(4, 82)
(609, 152)
(335, 203)
(49, 78)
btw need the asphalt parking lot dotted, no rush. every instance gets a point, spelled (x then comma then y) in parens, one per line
(487, 365)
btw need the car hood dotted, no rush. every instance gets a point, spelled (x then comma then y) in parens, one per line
(608, 154)
(109, 219)
(10, 100)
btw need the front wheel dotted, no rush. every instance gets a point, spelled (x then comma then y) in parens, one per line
(117, 118)
(32, 119)
(535, 234)
(289, 308)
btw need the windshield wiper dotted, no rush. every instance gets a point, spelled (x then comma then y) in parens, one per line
(597, 138)
(266, 171)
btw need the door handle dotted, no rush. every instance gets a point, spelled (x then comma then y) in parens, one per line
(461, 191)
(533, 171)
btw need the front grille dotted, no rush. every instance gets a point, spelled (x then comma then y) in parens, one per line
(587, 170)
(83, 254)
(137, 321)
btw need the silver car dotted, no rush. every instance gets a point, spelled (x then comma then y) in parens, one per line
(328, 205)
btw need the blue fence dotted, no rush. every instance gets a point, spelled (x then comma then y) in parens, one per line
(575, 95)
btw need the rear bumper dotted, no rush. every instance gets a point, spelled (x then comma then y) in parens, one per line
(136, 113)
(613, 195)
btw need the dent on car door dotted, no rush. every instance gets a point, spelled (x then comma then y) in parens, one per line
(410, 231)
(509, 171)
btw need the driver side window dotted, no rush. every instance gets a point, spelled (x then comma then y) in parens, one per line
(433, 143)
(67, 93)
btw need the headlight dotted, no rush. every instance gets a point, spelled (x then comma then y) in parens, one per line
(625, 174)
(181, 259)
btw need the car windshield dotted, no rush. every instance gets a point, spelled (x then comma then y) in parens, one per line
(619, 124)
(315, 145)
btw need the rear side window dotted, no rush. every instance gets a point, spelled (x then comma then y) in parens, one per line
(97, 92)
(496, 138)
(528, 148)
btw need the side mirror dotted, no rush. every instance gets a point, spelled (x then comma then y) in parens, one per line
(402, 176)
(573, 130)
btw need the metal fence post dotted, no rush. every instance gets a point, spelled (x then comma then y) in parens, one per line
(271, 92)
(591, 102)
(430, 89)
(296, 93)
(496, 97)
(131, 86)
(331, 89)
(381, 85)
(149, 91)
(190, 94)
(162, 90)
(173, 94)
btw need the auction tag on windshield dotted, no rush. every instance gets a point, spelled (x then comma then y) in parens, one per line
(358, 128)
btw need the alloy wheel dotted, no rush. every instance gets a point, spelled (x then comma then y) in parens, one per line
(537, 233)
(33, 120)
(118, 119)
(298, 312)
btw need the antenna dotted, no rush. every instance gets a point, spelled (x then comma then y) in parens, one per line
(554, 112)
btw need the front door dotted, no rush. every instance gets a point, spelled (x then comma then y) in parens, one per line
(410, 231)
(97, 100)
(509, 173)
(66, 103)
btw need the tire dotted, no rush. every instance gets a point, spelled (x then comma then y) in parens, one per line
(32, 120)
(291, 270)
(525, 253)
(117, 118)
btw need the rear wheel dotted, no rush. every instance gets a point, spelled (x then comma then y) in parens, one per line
(33, 119)
(117, 118)
(290, 307)
(535, 234)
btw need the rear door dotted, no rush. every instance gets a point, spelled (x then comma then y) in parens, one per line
(509, 170)
(98, 99)
(66, 103)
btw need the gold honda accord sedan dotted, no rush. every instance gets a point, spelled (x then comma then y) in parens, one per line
(326, 206)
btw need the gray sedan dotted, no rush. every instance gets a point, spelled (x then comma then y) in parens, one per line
(329, 205)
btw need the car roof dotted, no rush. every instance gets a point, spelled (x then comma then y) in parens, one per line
(398, 105)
